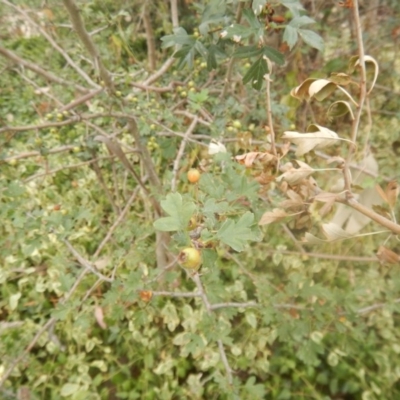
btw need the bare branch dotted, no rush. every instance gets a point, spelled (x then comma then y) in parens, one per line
(39, 70)
(180, 154)
(159, 73)
(235, 305)
(196, 279)
(37, 153)
(177, 294)
(151, 45)
(117, 222)
(85, 263)
(53, 43)
(269, 111)
(362, 97)
(85, 38)
(174, 13)
(353, 203)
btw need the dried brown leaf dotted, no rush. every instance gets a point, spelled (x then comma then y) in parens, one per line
(294, 176)
(270, 217)
(317, 137)
(392, 192)
(248, 159)
(387, 256)
(325, 197)
(99, 315)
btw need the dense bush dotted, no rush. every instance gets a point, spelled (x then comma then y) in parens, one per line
(270, 271)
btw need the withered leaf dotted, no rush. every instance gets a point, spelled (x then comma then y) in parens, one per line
(270, 217)
(387, 256)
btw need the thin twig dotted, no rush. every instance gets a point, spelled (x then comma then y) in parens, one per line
(53, 43)
(164, 68)
(229, 70)
(85, 263)
(72, 166)
(269, 111)
(235, 305)
(208, 306)
(353, 203)
(38, 154)
(81, 100)
(374, 307)
(293, 238)
(39, 70)
(85, 38)
(151, 45)
(181, 152)
(324, 256)
(117, 222)
(177, 294)
(362, 97)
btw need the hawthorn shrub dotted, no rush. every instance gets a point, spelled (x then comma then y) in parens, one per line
(199, 200)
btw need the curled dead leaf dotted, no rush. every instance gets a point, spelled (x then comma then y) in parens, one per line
(392, 192)
(294, 175)
(318, 137)
(248, 159)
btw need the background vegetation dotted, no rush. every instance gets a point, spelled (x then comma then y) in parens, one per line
(105, 106)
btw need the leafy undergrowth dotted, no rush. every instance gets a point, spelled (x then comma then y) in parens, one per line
(294, 213)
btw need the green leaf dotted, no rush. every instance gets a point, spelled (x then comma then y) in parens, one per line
(293, 5)
(237, 32)
(186, 56)
(247, 52)
(298, 22)
(258, 6)
(69, 389)
(256, 73)
(167, 224)
(212, 207)
(253, 21)
(196, 343)
(273, 55)
(214, 13)
(210, 186)
(180, 37)
(200, 48)
(213, 52)
(179, 213)
(237, 234)
(66, 281)
(14, 190)
(312, 39)
(290, 36)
